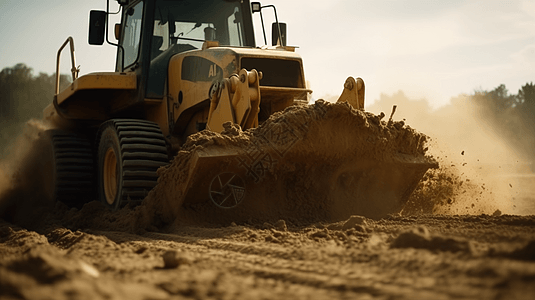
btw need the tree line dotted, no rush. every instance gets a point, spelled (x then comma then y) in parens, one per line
(24, 95)
(511, 115)
(468, 118)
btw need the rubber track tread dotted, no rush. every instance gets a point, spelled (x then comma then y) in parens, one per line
(74, 168)
(139, 183)
(144, 140)
(77, 185)
(145, 134)
(135, 122)
(140, 174)
(137, 195)
(78, 175)
(70, 155)
(143, 150)
(153, 156)
(75, 160)
(138, 128)
(138, 163)
(75, 151)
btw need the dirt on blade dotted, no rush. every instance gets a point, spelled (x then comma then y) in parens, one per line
(308, 163)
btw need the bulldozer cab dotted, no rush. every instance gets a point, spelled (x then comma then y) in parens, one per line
(180, 26)
(151, 32)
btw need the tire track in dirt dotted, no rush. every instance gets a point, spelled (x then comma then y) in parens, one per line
(277, 263)
(395, 257)
(336, 271)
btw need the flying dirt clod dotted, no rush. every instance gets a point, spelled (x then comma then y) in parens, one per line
(233, 119)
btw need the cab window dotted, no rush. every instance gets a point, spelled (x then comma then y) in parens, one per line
(181, 26)
(132, 34)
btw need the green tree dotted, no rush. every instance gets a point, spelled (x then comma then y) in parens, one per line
(23, 96)
(494, 105)
(525, 112)
(526, 99)
(14, 84)
(511, 116)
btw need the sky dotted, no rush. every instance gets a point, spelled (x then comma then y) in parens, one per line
(429, 49)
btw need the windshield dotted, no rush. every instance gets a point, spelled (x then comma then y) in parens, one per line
(192, 22)
(184, 25)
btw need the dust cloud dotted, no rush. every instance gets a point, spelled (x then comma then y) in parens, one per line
(25, 176)
(480, 172)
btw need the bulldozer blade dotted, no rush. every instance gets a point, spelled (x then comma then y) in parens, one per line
(206, 167)
(318, 162)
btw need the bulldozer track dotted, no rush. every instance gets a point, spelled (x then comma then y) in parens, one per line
(74, 167)
(143, 151)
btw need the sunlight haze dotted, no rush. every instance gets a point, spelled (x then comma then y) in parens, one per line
(431, 50)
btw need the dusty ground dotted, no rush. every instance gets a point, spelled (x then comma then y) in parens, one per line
(72, 256)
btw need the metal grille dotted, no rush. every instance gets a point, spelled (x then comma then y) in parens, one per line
(277, 72)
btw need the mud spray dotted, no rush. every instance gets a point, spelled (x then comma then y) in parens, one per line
(479, 173)
(25, 177)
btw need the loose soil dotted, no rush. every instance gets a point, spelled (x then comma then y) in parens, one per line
(397, 257)
(455, 238)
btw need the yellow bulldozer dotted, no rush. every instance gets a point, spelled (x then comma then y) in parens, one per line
(185, 67)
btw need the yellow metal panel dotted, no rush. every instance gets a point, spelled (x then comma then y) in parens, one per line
(353, 93)
(220, 113)
(100, 81)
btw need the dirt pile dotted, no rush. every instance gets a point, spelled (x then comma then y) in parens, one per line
(322, 161)
(421, 238)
